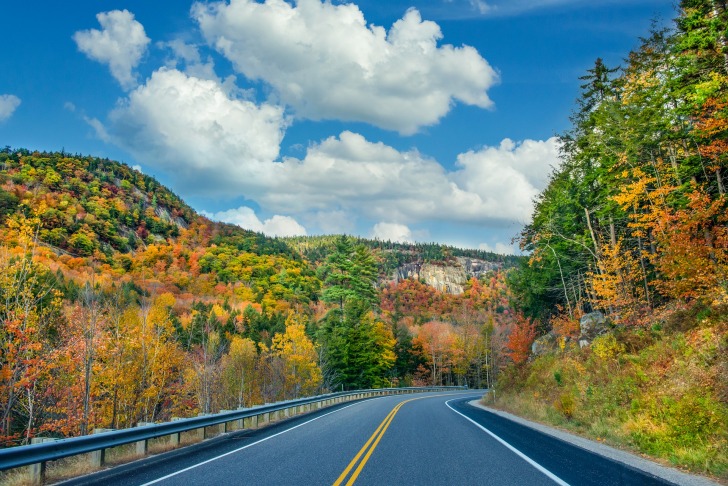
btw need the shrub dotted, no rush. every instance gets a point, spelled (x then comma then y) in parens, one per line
(566, 404)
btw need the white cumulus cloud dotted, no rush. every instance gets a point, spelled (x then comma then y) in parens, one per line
(373, 180)
(206, 141)
(510, 176)
(325, 62)
(187, 58)
(246, 218)
(8, 104)
(399, 233)
(120, 43)
(210, 143)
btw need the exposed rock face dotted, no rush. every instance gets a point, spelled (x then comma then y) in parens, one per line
(445, 278)
(408, 270)
(164, 215)
(476, 268)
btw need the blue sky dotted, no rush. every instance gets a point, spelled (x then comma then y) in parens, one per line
(404, 120)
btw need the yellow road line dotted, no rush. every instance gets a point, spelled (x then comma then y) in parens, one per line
(373, 441)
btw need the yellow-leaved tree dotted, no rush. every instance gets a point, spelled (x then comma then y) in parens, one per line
(239, 377)
(301, 372)
(29, 310)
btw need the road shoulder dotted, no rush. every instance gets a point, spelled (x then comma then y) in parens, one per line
(637, 462)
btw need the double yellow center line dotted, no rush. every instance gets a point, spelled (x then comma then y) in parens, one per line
(369, 447)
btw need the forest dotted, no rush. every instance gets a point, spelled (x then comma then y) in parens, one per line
(632, 225)
(122, 305)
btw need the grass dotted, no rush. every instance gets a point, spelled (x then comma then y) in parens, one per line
(659, 391)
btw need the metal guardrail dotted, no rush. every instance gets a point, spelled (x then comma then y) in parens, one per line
(50, 451)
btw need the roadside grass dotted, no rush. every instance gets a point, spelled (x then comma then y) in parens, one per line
(662, 392)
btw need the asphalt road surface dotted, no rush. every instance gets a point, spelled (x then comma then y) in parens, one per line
(427, 439)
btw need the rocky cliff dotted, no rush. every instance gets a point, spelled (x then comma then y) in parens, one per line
(445, 278)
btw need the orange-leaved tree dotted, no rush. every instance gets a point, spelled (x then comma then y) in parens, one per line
(522, 335)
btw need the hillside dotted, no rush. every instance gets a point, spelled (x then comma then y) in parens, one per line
(632, 228)
(444, 267)
(120, 304)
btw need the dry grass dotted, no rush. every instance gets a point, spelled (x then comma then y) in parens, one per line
(656, 392)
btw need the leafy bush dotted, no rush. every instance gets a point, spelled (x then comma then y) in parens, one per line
(661, 392)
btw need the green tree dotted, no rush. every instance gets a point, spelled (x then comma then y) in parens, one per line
(349, 273)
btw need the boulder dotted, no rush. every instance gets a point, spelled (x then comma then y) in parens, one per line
(592, 325)
(545, 344)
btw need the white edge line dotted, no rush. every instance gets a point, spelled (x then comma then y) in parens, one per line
(520, 454)
(249, 445)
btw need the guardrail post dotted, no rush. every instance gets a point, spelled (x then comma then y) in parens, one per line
(37, 472)
(174, 438)
(223, 427)
(142, 447)
(97, 458)
(241, 422)
(202, 431)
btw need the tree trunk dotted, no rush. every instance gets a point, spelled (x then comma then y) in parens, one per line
(719, 12)
(594, 239)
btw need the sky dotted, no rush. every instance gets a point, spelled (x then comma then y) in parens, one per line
(404, 120)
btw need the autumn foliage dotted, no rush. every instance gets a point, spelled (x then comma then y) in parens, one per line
(520, 339)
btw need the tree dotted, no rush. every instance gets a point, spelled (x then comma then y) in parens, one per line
(302, 375)
(436, 339)
(29, 311)
(238, 372)
(358, 350)
(520, 339)
(349, 273)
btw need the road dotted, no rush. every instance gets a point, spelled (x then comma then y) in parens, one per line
(424, 439)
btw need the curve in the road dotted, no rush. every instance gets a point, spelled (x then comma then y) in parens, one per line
(520, 454)
(373, 442)
(414, 441)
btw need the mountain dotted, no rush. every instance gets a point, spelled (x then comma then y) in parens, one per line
(446, 268)
(95, 207)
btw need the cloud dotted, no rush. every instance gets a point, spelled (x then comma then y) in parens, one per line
(510, 176)
(98, 127)
(392, 232)
(499, 248)
(212, 144)
(187, 58)
(325, 62)
(245, 218)
(519, 7)
(335, 221)
(375, 181)
(8, 104)
(120, 43)
(206, 141)
(481, 7)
